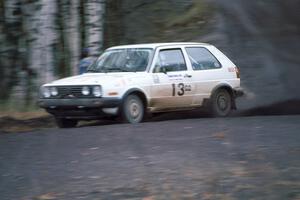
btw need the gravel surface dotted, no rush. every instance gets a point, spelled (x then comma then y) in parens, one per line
(202, 158)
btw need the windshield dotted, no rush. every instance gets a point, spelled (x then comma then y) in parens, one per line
(122, 60)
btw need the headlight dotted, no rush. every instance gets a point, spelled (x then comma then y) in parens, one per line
(53, 91)
(46, 92)
(85, 90)
(97, 92)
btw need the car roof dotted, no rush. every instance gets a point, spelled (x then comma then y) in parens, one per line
(156, 45)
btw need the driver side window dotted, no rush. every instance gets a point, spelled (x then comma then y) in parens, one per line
(170, 60)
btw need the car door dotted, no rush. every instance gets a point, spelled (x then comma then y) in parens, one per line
(207, 71)
(172, 82)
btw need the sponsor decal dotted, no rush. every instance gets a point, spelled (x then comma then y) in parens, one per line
(180, 89)
(175, 76)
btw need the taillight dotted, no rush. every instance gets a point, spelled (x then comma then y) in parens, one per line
(237, 71)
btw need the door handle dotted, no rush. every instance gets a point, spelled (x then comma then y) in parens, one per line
(187, 76)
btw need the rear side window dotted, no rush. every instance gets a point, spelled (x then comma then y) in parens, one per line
(202, 59)
(172, 60)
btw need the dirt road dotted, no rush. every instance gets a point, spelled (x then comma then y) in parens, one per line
(203, 158)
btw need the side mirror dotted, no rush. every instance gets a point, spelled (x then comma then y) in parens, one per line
(163, 69)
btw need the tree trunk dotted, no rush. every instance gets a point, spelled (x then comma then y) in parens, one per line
(41, 40)
(94, 25)
(62, 44)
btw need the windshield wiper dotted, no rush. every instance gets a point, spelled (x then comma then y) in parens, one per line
(92, 70)
(117, 69)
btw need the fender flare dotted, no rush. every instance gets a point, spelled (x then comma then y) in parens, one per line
(229, 89)
(141, 93)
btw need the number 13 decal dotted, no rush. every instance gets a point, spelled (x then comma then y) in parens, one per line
(180, 91)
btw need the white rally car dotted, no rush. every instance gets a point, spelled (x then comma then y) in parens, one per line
(130, 81)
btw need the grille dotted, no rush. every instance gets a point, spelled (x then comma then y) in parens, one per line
(69, 92)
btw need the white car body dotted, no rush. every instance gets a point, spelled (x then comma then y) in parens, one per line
(162, 90)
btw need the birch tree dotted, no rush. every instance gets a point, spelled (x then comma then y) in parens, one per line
(40, 40)
(94, 24)
(9, 34)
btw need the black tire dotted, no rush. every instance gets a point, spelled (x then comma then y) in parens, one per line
(133, 109)
(221, 102)
(66, 123)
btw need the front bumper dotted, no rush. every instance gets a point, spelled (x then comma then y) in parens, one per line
(80, 103)
(79, 108)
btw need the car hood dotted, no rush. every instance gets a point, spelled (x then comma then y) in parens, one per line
(95, 78)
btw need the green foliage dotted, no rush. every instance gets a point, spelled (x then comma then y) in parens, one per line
(198, 12)
(17, 105)
(189, 23)
(137, 21)
(114, 25)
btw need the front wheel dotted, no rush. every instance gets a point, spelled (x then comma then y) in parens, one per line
(221, 103)
(65, 123)
(133, 109)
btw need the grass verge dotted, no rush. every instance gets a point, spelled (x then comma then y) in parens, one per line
(16, 117)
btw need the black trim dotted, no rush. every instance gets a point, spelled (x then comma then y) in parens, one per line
(221, 86)
(64, 92)
(133, 90)
(77, 113)
(79, 108)
(87, 103)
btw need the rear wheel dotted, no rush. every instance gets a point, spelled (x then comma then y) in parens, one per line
(66, 123)
(221, 103)
(133, 109)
